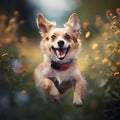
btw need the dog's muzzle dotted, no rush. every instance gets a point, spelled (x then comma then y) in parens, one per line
(60, 52)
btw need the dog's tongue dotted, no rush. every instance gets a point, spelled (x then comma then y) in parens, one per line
(61, 53)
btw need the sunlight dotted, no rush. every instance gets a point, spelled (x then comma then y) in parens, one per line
(56, 10)
(54, 4)
(61, 5)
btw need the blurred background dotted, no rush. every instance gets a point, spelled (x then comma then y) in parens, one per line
(99, 60)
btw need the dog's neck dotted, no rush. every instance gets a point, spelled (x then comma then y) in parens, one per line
(61, 66)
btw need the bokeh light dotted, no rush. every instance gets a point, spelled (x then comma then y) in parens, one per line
(55, 10)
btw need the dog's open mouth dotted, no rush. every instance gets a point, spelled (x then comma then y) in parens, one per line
(61, 52)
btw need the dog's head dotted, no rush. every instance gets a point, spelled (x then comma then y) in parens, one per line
(60, 44)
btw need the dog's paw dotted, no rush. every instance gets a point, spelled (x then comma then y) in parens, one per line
(77, 101)
(56, 98)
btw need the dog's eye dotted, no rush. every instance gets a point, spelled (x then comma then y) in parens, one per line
(67, 37)
(53, 37)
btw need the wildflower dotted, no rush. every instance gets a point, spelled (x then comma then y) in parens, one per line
(112, 27)
(113, 23)
(114, 51)
(117, 32)
(108, 13)
(97, 58)
(118, 63)
(119, 51)
(4, 54)
(118, 11)
(113, 68)
(86, 25)
(104, 61)
(108, 38)
(94, 46)
(87, 35)
(109, 46)
(114, 17)
(116, 74)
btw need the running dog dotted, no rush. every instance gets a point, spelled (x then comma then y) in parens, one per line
(59, 70)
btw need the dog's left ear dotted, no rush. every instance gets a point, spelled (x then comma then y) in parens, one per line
(73, 24)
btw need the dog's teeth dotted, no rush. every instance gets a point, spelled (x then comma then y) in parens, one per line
(60, 53)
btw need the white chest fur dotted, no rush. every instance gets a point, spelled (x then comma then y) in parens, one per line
(67, 75)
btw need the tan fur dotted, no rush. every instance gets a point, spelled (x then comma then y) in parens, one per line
(45, 74)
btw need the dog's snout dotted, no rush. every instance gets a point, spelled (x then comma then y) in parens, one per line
(60, 43)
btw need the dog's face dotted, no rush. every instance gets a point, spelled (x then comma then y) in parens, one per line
(60, 44)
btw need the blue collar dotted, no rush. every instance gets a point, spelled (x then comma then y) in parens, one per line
(61, 67)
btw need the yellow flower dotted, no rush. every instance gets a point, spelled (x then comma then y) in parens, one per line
(109, 46)
(114, 68)
(114, 17)
(94, 46)
(104, 61)
(118, 63)
(116, 74)
(87, 35)
(97, 58)
(4, 54)
(114, 51)
(117, 32)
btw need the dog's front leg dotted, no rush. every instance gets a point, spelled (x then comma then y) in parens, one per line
(80, 88)
(49, 86)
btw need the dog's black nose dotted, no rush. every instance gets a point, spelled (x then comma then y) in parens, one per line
(60, 43)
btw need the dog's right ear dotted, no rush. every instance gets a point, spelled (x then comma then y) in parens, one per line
(44, 25)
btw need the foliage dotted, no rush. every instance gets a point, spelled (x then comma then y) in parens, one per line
(105, 57)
